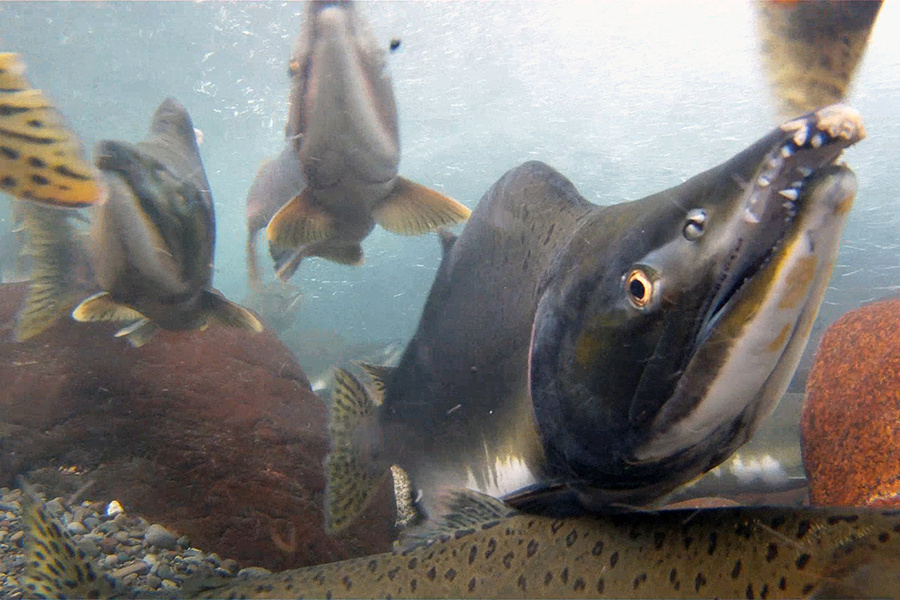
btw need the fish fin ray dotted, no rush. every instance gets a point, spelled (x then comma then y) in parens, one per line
(379, 374)
(40, 156)
(350, 255)
(139, 332)
(55, 566)
(230, 314)
(299, 222)
(50, 243)
(459, 510)
(101, 307)
(413, 209)
(350, 483)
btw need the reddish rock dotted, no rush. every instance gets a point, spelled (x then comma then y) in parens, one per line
(214, 434)
(851, 419)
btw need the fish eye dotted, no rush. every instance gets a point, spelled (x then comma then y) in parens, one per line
(695, 224)
(638, 288)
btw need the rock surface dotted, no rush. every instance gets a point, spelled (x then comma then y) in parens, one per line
(851, 419)
(215, 435)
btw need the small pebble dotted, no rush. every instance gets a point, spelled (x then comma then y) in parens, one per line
(55, 507)
(91, 522)
(108, 545)
(231, 565)
(122, 536)
(165, 572)
(14, 538)
(76, 528)
(184, 541)
(114, 508)
(153, 581)
(89, 547)
(159, 536)
(111, 560)
(169, 584)
(139, 567)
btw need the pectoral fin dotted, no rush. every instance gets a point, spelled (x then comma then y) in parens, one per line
(139, 332)
(301, 221)
(413, 209)
(227, 313)
(101, 307)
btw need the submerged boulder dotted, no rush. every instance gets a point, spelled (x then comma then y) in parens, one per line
(851, 419)
(216, 435)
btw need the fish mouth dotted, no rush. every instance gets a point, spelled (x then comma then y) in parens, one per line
(775, 198)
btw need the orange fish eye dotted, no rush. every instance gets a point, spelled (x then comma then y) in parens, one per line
(638, 288)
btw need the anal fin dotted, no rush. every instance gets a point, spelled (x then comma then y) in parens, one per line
(225, 312)
(301, 221)
(413, 209)
(350, 482)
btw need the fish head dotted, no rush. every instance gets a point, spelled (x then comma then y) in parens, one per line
(674, 324)
(343, 117)
(154, 234)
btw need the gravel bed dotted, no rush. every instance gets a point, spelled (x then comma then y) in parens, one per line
(144, 556)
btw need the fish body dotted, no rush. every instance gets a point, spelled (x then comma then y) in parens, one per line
(606, 354)
(154, 236)
(343, 127)
(484, 549)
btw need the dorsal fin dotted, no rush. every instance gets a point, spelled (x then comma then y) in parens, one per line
(171, 125)
(380, 375)
(461, 510)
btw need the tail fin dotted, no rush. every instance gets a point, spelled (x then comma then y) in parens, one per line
(53, 246)
(351, 481)
(55, 567)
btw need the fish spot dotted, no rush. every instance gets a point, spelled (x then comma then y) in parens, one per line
(688, 540)
(802, 561)
(8, 182)
(492, 547)
(564, 575)
(659, 539)
(579, 585)
(532, 548)
(745, 530)
(764, 592)
(778, 521)
(413, 584)
(35, 123)
(329, 595)
(571, 538)
(348, 583)
(834, 520)
(393, 573)
(40, 179)
(522, 582)
(556, 525)
(748, 593)
(639, 580)
(699, 581)
(771, 552)
(673, 575)
(473, 553)
(713, 542)
(803, 528)
(548, 577)
(8, 153)
(472, 585)
(319, 578)
(67, 172)
(36, 162)
(373, 565)
(884, 536)
(782, 584)
(736, 570)
(613, 559)
(431, 574)
(634, 534)
(807, 589)
(597, 550)
(507, 559)
(413, 563)
(450, 575)
(549, 233)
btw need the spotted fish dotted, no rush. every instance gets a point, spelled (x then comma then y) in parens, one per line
(605, 355)
(40, 157)
(342, 125)
(484, 549)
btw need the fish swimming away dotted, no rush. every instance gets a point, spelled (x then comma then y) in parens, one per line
(40, 157)
(811, 50)
(154, 236)
(485, 549)
(342, 125)
(606, 355)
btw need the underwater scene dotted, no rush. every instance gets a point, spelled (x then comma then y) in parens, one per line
(449, 299)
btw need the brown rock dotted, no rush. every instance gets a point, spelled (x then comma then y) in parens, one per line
(214, 434)
(851, 419)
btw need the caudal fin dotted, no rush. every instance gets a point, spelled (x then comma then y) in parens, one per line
(40, 157)
(350, 480)
(55, 567)
(413, 209)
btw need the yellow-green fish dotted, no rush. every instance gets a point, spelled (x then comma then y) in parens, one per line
(483, 549)
(342, 126)
(40, 157)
